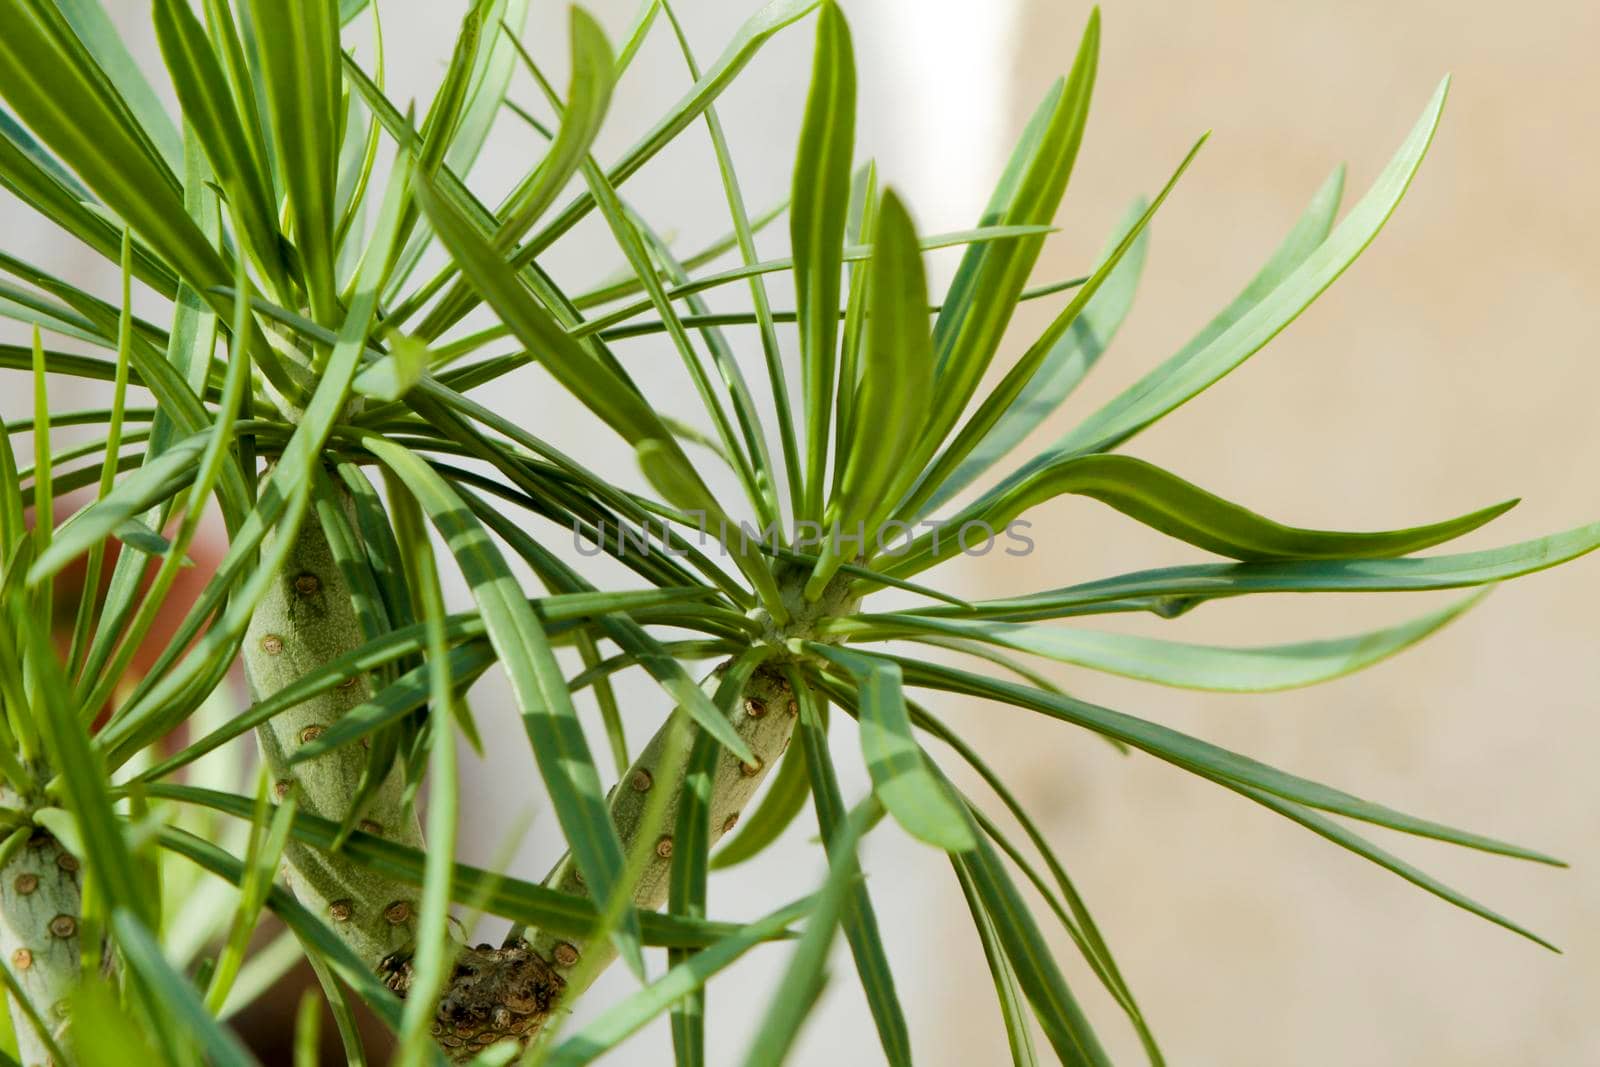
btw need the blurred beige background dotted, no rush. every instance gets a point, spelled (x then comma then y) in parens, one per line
(1456, 364)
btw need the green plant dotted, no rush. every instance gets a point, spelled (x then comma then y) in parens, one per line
(322, 401)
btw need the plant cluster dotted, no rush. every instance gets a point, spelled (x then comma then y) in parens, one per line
(314, 383)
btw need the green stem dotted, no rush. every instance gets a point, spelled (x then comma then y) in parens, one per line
(307, 619)
(41, 910)
(765, 721)
(511, 992)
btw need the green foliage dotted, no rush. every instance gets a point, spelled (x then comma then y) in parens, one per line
(338, 371)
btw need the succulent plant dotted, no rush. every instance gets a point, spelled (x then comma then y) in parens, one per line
(328, 401)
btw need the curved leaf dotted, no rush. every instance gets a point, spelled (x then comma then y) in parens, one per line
(1017, 378)
(157, 481)
(1201, 757)
(1068, 358)
(1179, 509)
(1188, 666)
(1197, 367)
(1175, 589)
(984, 293)
(900, 772)
(588, 96)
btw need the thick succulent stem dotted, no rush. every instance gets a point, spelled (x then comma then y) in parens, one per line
(40, 912)
(514, 990)
(510, 992)
(544, 968)
(305, 620)
(765, 719)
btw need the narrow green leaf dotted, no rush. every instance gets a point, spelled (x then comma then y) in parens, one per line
(686, 895)
(1057, 1010)
(859, 919)
(269, 833)
(433, 962)
(1013, 1010)
(210, 111)
(1080, 925)
(85, 784)
(1203, 758)
(802, 980)
(984, 292)
(105, 42)
(539, 687)
(344, 1014)
(900, 773)
(486, 87)
(21, 141)
(819, 207)
(1174, 589)
(13, 524)
(628, 1015)
(231, 41)
(1194, 369)
(298, 45)
(308, 1031)
(524, 902)
(1226, 669)
(860, 228)
(1344, 838)
(35, 177)
(1179, 509)
(44, 501)
(893, 397)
